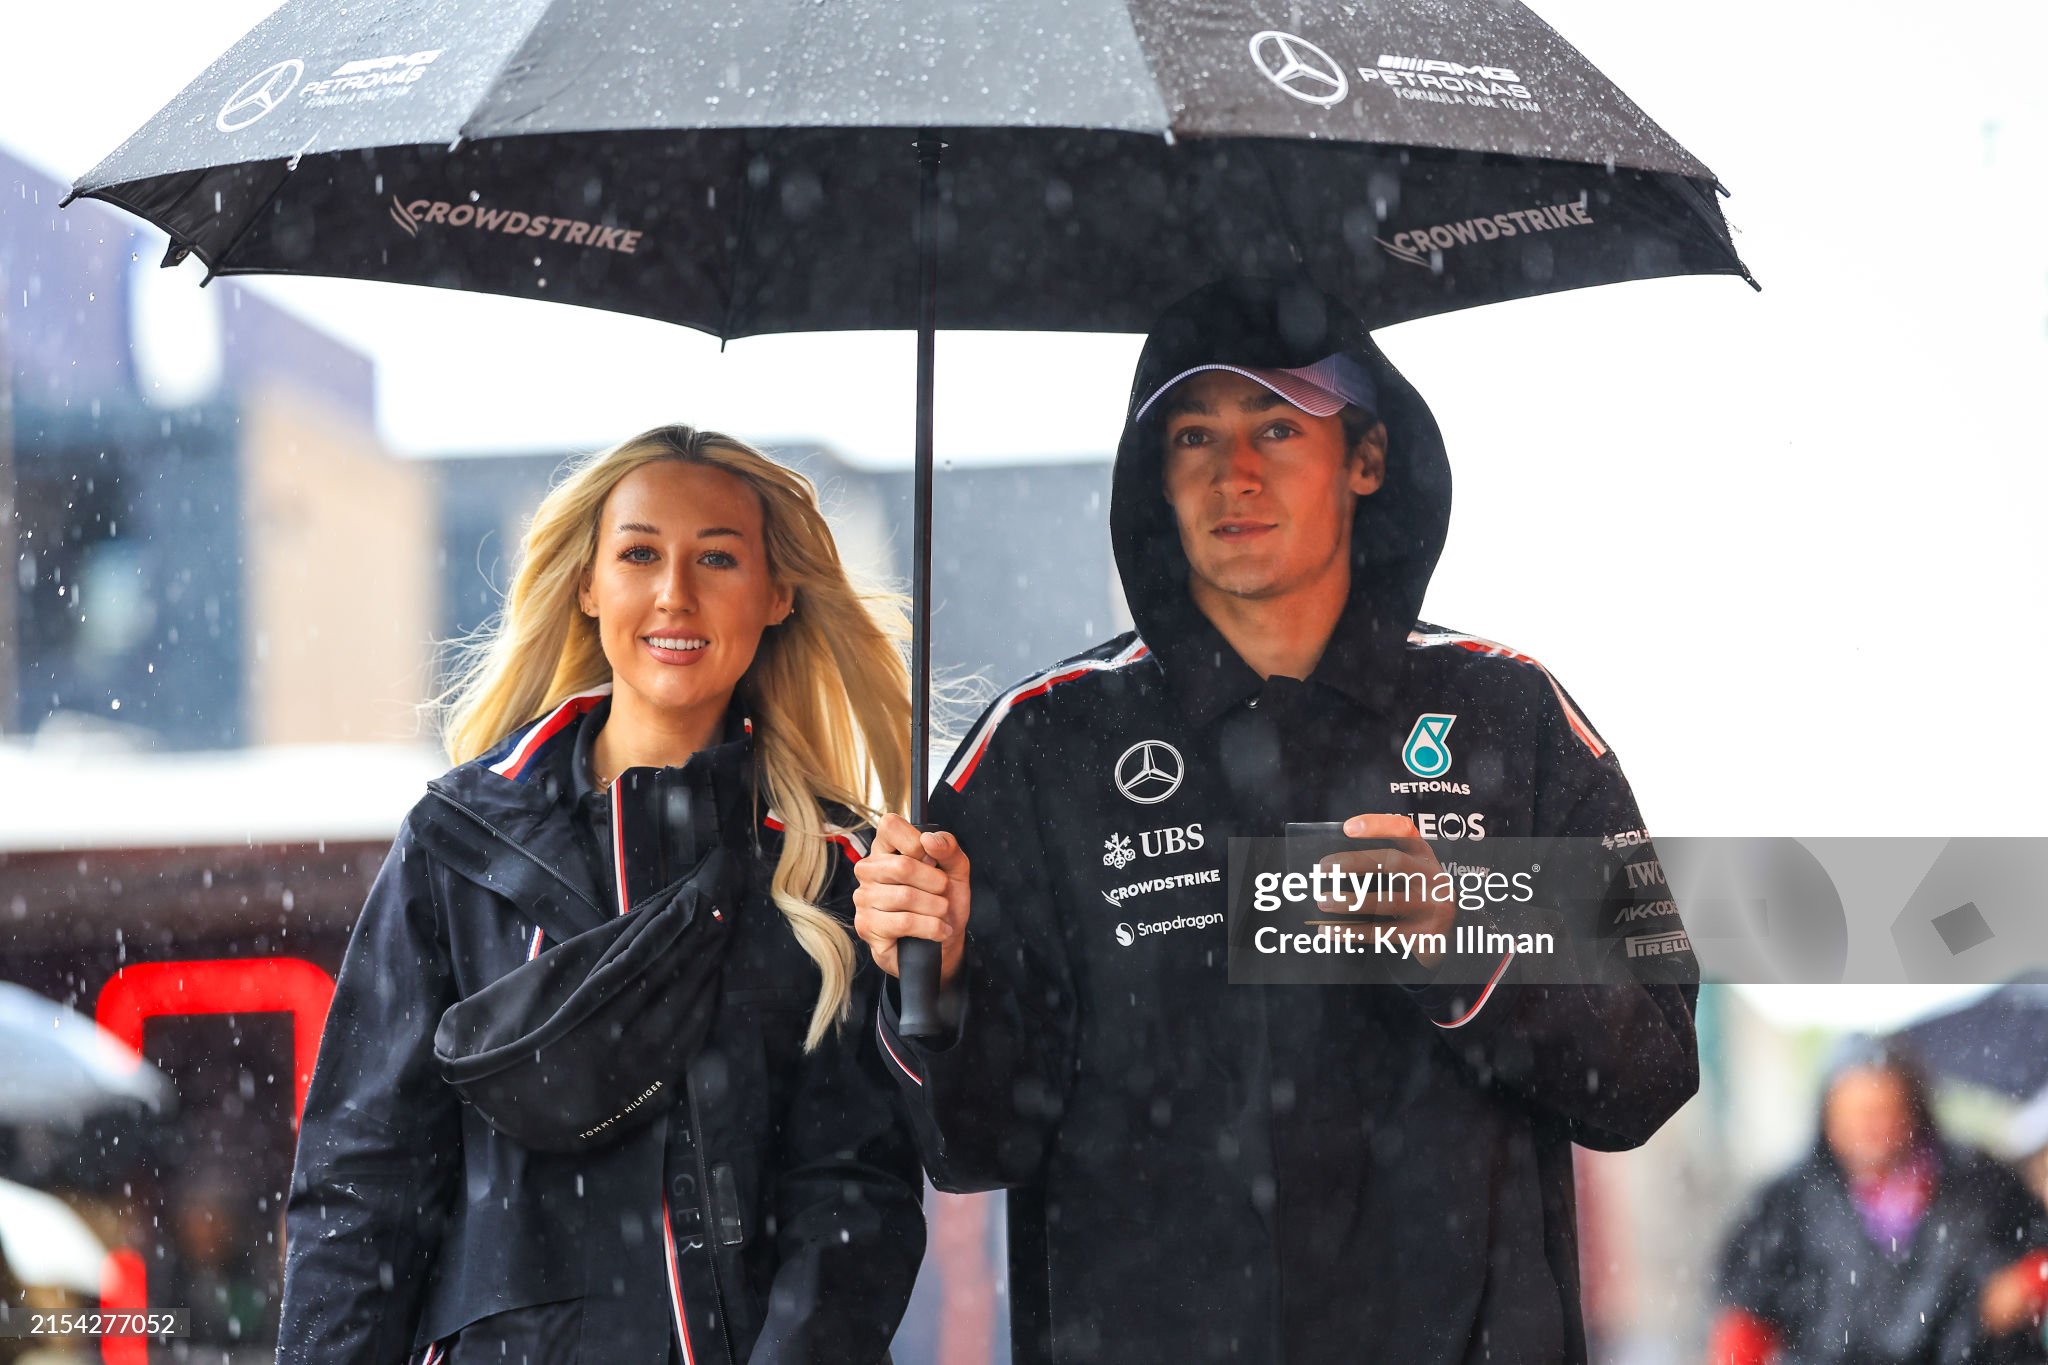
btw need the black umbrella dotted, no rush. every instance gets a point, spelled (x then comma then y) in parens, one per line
(1999, 1042)
(796, 165)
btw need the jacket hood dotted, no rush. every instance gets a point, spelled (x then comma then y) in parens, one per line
(1398, 532)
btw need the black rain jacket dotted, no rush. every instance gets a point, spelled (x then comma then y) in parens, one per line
(1298, 1174)
(774, 1213)
(1800, 1259)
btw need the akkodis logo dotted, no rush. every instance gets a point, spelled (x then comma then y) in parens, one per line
(1428, 751)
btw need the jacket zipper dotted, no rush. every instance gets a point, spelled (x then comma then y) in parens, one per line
(705, 1223)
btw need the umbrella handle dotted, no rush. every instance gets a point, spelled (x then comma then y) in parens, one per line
(917, 963)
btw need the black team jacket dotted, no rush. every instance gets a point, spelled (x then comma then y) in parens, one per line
(772, 1214)
(1203, 1171)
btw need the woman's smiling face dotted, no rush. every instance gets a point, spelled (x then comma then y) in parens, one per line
(681, 588)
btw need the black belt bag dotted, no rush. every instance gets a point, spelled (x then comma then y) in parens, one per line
(579, 1046)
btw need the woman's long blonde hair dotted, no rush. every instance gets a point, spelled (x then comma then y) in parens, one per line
(828, 690)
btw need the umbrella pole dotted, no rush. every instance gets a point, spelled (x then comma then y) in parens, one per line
(918, 959)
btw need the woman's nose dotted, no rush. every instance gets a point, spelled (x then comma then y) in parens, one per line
(677, 593)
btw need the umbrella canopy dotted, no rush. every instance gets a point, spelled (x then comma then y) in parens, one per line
(777, 166)
(58, 1066)
(1999, 1042)
(750, 169)
(46, 1243)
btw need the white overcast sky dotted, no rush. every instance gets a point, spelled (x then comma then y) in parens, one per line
(1784, 547)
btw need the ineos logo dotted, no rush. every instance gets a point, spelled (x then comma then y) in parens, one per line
(1299, 67)
(260, 94)
(1149, 771)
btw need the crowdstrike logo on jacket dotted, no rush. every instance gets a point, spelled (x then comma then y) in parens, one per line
(1418, 246)
(1428, 752)
(416, 215)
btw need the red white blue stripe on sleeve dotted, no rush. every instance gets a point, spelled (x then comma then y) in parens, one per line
(977, 745)
(1485, 994)
(852, 845)
(1587, 735)
(882, 1035)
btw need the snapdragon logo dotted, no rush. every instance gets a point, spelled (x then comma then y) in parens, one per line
(1128, 933)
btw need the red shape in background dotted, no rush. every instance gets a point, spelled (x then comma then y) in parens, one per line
(233, 985)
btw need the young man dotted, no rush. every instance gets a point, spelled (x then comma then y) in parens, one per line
(1302, 1174)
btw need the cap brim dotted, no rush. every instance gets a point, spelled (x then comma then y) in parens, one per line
(1311, 398)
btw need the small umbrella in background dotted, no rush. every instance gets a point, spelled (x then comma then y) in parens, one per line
(46, 1244)
(1999, 1042)
(59, 1067)
(803, 165)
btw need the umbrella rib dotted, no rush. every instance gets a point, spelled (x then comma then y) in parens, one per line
(739, 247)
(463, 131)
(220, 261)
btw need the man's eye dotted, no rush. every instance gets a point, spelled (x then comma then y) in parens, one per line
(1279, 430)
(1190, 436)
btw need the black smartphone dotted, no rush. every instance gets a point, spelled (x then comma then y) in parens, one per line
(1310, 842)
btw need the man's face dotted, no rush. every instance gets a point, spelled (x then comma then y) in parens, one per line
(1868, 1121)
(1263, 493)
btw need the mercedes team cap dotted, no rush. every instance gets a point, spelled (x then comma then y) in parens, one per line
(1320, 390)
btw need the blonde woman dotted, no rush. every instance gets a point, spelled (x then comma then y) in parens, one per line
(593, 1087)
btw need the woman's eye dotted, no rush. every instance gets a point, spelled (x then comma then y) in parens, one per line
(638, 554)
(718, 559)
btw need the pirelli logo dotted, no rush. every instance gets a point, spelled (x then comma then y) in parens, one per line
(1656, 945)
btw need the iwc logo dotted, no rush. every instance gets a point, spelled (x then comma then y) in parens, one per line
(1149, 771)
(1428, 751)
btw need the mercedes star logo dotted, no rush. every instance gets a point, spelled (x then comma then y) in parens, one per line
(262, 93)
(1299, 67)
(1149, 772)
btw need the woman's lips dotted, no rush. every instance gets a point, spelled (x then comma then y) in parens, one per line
(680, 657)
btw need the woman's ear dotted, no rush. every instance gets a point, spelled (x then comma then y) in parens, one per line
(784, 605)
(583, 596)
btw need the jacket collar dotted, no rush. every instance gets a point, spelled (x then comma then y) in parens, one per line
(1363, 661)
(528, 788)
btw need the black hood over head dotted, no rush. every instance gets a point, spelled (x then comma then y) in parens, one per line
(1398, 531)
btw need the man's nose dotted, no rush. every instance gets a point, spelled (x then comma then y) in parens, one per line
(1242, 468)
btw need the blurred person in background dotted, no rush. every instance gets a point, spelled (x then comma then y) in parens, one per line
(681, 625)
(1888, 1244)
